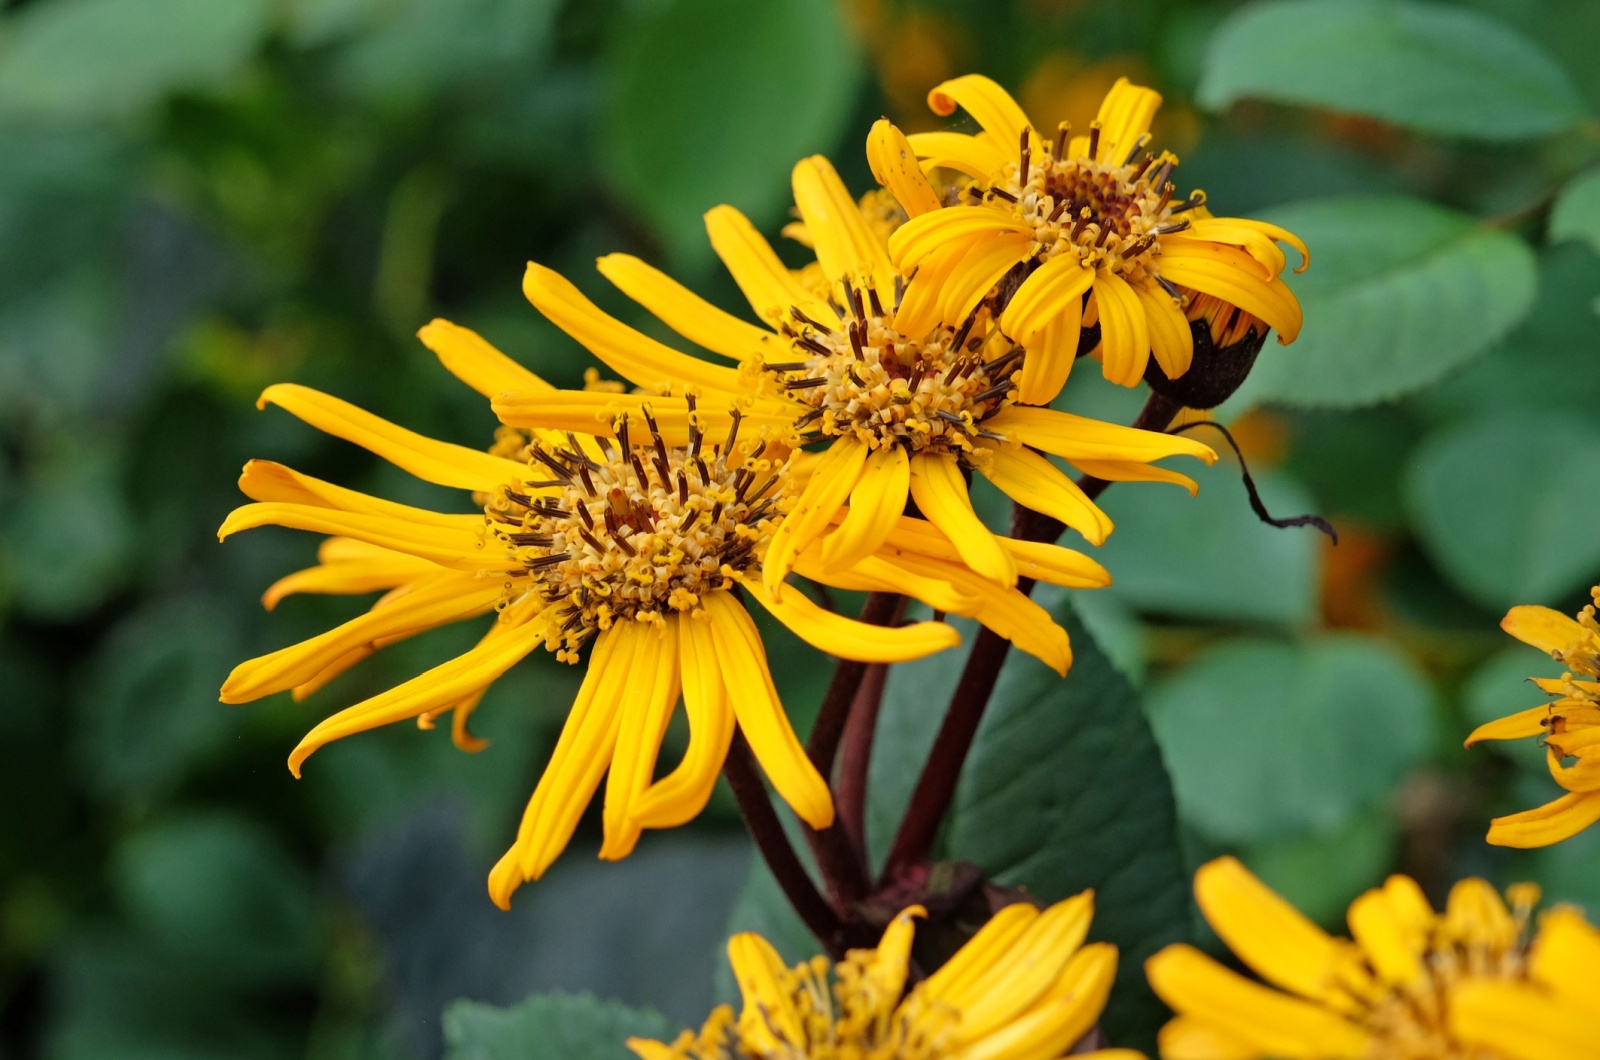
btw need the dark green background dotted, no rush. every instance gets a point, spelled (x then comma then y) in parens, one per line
(202, 197)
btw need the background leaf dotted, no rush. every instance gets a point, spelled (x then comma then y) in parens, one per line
(104, 58)
(1401, 292)
(1268, 739)
(1576, 214)
(1209, 556)
(550, 1027)
(714, 101)
(1427, 66)
(1508, 506)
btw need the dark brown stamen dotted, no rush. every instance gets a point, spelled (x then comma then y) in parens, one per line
(540, 562)
(1094, 139)
(1063, 131)
(1022, 169)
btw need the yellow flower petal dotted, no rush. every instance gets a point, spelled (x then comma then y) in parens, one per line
(846, 248)
(1530, 722)
(1269, 934)
(647, 705)
(1034, 482)
(459, 549)
(635, 356)
(1064, 1015)
(917, 238)
(1124, 117)
(440, 686)
(1236, 278)
(1191, 1038)
(1124, 333)
(1388, 942)
(581, 757)
(1542, 628)
(426, 458)
(760, 713)
(975, 274)
(1551, 823)
(876, 505)
(921, 309)
(1519, 1022)
(768, 285)
(1055, 289)
(1133, 471)
(1030, 968)
(962, 976)
(686, 312)
(1171, 340)
(473, 360)
(768, 1007)
(269, 482)
(830, 484)
(350, 578)
(978, 159)
(448, 596)
(941, 496)
(1566, 958)
(845, 638)
(894, 165)
(990, 106)
(1080, 438)
(1048, 362)
(679, 796)
(571, 410)
(1275, 1024)
(1035, 559)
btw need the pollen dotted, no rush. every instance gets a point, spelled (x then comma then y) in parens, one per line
(616, 530)
(868, 380)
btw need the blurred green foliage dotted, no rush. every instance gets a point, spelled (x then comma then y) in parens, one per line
(200, 198)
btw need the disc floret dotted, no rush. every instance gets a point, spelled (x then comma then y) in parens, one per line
(614, 530)
(868, 380)
(1111, 216)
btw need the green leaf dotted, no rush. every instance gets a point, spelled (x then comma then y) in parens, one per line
(1507, 506)
(550, 1027)
(1426, 66)
(1551, 360)
(1209, 556)
(147, 706)
(222, 896)
(715, 100)
(1399, 293)
(1576, 214)
(1268, 739)
(1064, 790)
(89, 59)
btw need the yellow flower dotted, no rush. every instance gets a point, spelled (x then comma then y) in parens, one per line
(1465, 984)
(905, 413)
(1023, 988)
(636, 540)
(1088, 215)
(1569, 725)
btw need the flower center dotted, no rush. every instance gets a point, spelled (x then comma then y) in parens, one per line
(608, 531)
(1111, 216)
(867, 379)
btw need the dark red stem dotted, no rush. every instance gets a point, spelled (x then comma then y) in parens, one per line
(755, 806)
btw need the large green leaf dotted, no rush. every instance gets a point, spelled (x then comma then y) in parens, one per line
(1507, 506)
(1428, 66)
(101, 58)
(1576, 214)
(1399, 292)
(714, 100)
(1268, 739)
(1064, 790)
(1210, 556)
(549, 1027)
(1551, 360)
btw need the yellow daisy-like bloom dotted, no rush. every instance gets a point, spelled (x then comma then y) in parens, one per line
(1023, 988)
(1464, 984)
(635, 539)
(905, 411)
(1569, 725)
(1091, 215)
